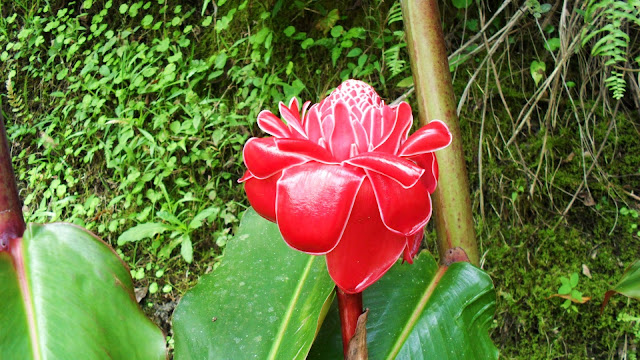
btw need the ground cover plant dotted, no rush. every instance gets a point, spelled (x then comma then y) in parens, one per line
(129, 119)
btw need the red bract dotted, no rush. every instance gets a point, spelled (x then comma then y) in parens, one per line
(343, 178)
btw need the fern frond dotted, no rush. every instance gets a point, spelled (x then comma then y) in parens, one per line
(395, 64)
(395, 13)
(15, 101)
(614, 41)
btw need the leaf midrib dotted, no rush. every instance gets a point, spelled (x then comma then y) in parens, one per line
(287, 318)
(415, 315)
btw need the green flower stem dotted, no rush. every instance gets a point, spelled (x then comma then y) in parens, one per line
(432, 79)
(350, 307)
(11, 221)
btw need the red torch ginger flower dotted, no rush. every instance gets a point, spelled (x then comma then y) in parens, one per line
(343, 178)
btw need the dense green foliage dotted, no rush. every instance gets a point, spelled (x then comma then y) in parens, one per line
(129, 118)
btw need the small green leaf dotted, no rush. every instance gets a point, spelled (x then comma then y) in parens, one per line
(552, 44)
(307, 43)
(123, 8)
(564, 289)
(461, 4)
(289, 31)
(186, 249)
(153, 288)
(147, 20)
(574, 280)
(537, 69)
(197, 220)
(354, 52)
(142, 231)
(406, 82)
(336, 31)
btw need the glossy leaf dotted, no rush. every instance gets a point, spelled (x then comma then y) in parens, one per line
(422, 311)
(69, 296)
(629, 284)
(263, 302)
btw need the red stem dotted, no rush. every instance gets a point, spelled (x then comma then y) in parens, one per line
(350, 306)
(11, 221)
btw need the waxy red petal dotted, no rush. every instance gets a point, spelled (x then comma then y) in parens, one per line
(264, 159)
(247, 175)
(360, 135)
(430, 164)
(313, 205)
(272, 125)
(400, 131)
(431, 137)
(404, 211)
(313, 124)
(293, 107)
(262, 195)
(293, 120)
(305, 148)
(342, 136)
(403, 171)
(413, 246)
(367, 249)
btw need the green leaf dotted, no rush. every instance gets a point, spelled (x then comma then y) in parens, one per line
(461, 4)
(306, 43)
(289, 31)
(354, 52)
(564, 289)
(629, 284)
(265, 300)
(537, 69)
(142, 231)
(186, 249)
(197, 220)
(552, 44)
(67, 295)
(574, 280)
(406, 82)
(337, 31)
(422, 311)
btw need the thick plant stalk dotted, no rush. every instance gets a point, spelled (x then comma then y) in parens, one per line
(11, 221)
(451, 201)
(350, 307)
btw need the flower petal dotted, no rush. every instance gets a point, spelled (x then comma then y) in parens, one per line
(262, 195)
(305, 148)
(428, 162)
(293, 107)
(401, 170)
(313, 125)
(342, 136)
(431, 137)
(313, 205)
(367, 248)
(360, 135)
(404, 211)
(264, 159)
(400, 131)
(413, 246)
(272, 125)
(292, 118)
